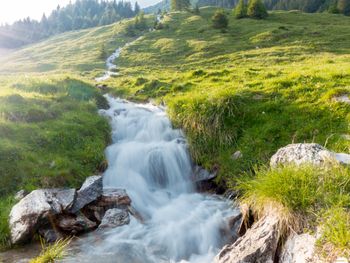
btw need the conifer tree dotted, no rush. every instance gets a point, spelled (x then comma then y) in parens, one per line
(240, 10)
(256, 9)
(344, 7)
(137, 8)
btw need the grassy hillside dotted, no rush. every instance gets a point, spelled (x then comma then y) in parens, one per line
(255, 87)
(72, 52)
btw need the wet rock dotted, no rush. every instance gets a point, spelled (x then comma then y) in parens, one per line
(302, 153)
(259, 244)
(90, 191)
(237, 155)
(36, 208)
(299, 249)
(75, 224)
(114, 198)
(115, 217)
(20, 195)
(50, 234)
(201, 174)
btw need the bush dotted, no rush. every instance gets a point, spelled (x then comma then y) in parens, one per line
(256, 9)
(241, 10)
(220, 19)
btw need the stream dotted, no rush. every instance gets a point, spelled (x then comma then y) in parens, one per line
(150, 159)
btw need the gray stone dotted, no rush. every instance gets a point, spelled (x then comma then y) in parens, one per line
(115, 217)
(75, 224)
(35, 209)
(200, 174)
(237, 155)
(20, 195)
(310, 153)
(258, 245)
(50, 234)
(343, 98)
(90, 191)
(300, 249)
(301, 153)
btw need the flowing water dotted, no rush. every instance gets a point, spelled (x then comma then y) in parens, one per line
(150, 160)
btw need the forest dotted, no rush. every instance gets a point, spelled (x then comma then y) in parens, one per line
(80, 15)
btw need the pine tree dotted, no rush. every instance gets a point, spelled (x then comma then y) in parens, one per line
(241, 10)
(137, 8)
(256, 9)
(344, 7)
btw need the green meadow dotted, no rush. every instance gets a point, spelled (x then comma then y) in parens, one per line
(253, 87)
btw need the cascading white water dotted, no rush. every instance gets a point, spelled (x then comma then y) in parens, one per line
(150, 160)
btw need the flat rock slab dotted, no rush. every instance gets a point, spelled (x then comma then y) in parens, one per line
(35, 208)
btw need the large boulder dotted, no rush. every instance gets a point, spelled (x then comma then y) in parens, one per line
(90, 191)
(300, 249)
(258, 245)
(302, 153)
(36, 209)
(115, 217)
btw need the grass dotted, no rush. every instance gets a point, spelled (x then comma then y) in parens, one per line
(51, 135)
(307, 196)
(51, 253)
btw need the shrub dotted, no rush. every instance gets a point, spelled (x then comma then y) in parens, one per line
(256, 9)
(241, 10)
(220, 19)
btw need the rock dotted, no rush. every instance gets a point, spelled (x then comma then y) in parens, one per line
(311, 153)
(299, 249)
(50, 234)
(115, 217)
(301, 153)
(258, 245)
(237, 155)
(201, 174)
(114, 198)
(36, 208)
(343, 98)
(90, 191)
(20, 195)
(75, 224)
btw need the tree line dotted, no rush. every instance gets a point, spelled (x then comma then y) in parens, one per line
(310, 6)
(82, 14)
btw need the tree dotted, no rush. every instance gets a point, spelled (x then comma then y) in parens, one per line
(241, 10)
(344, 7)
(256, 9)
(219, 19)
(196, 10)
(137, 8)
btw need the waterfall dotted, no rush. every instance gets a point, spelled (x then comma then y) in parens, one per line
(150, 160)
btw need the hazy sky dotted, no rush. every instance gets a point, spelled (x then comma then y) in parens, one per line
(11, 10)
